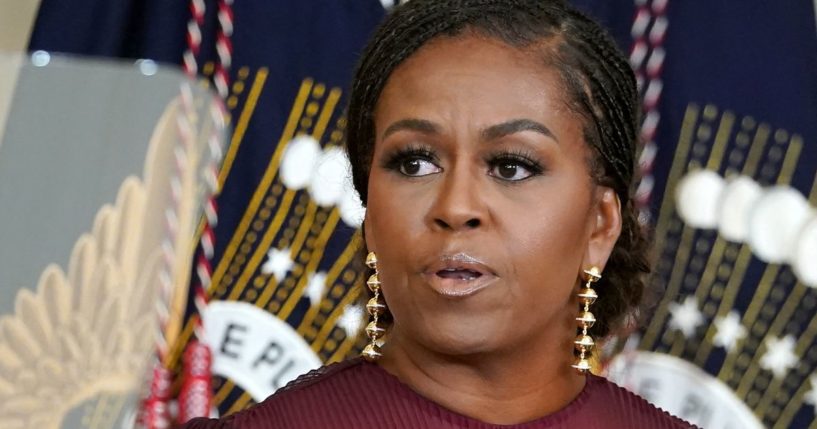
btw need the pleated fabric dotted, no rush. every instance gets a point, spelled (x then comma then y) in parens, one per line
(357, 394)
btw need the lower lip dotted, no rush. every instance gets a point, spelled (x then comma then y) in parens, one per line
(458, 288)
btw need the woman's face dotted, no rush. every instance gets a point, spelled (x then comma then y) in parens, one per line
(481, 207)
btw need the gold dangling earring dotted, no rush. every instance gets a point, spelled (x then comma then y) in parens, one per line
(584, 342)
(375, 307)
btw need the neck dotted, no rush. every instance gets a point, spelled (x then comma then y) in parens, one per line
(489, 387)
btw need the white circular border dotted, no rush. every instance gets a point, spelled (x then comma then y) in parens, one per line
(679, 379)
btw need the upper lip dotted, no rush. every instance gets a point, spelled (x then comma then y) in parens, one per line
(459, 261)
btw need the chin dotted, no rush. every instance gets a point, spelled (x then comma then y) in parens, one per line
(459, 328)
(464, 338)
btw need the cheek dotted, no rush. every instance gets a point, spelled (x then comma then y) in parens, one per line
(391, 213)
(547, 244)
(391, 218)
(397, 207)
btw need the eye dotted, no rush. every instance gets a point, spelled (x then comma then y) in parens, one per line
(418, 167)
(413, 161)
(513, 168)
(510, 171)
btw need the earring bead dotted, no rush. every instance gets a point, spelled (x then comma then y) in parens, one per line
(371, 352)
(371, 260)
(373, 283)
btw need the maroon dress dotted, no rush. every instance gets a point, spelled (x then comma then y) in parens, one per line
(357, 394)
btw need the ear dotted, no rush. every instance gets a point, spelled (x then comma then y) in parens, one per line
(605, 227)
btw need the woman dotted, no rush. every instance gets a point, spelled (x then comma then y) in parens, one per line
(493, 142)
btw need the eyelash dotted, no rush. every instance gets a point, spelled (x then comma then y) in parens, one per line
(399, 156)
(522, 158)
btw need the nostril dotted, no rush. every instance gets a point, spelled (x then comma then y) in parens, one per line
(448, 225)
(472, 223)
(441, 223)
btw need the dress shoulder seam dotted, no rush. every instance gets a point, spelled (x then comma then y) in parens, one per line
(318, 375)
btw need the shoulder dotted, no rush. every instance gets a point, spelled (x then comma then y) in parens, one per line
(205, 423)
(618, 403)
(324, 377)
(333, 388)
(294, 405)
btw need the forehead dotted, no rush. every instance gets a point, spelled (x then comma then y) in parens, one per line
(482, 75)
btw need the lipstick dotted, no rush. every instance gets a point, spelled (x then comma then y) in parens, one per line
(459, 275)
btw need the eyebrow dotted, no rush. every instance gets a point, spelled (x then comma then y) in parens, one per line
(516, 126)
(412, 124)
(491, 133)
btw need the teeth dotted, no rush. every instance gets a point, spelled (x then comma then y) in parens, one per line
(460, 273)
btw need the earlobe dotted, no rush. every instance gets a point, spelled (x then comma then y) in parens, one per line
(606, 229)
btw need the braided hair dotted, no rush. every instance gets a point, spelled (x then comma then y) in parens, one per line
(601, 89)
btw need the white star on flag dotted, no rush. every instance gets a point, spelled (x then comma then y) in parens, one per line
(278, 263)
(351, 320)
(686, 317)
(779, 356)
(315, 288)
(811, 395)
(729, 331)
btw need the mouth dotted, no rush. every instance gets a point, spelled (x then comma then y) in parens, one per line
(459, 276)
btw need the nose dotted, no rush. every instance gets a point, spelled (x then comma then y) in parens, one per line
(458, 204)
